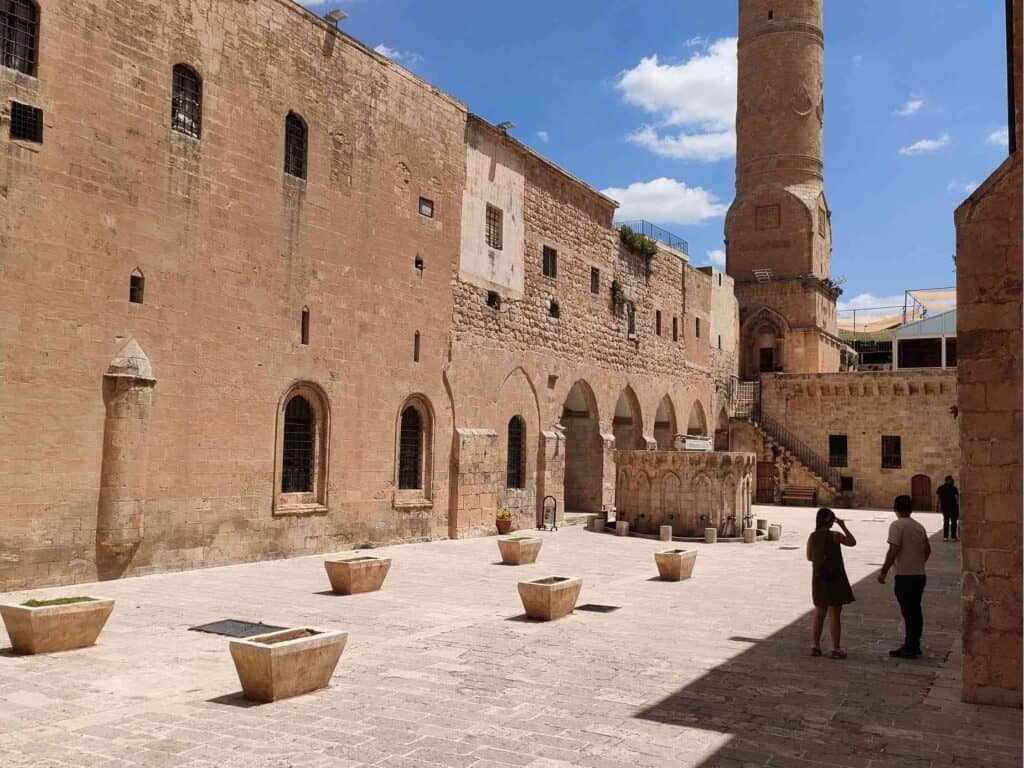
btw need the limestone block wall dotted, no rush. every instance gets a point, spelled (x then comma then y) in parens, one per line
(689, 490)
(919, 407)
(989, 280)
(780, 469)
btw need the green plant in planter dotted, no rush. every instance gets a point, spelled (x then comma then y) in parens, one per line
(504, 515)
(56, 601)
(637, 243)
(618, 295)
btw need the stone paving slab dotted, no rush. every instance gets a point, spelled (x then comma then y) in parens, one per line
(441, 668)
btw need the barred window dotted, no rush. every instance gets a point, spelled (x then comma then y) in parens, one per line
(550, 262)
(410, 450)
(186, 101)
(837, 451)
(26, 122)
(295, 143)
(136, 287)
(494, 227)
(299, 436)
(515, 471)
(892, 452)
(19, 35)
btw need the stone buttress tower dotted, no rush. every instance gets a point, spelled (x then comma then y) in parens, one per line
(778, 230)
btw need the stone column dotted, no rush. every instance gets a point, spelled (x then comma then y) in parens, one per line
(128, 396)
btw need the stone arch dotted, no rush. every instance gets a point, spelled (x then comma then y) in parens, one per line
(422, 453)
(665, 427)
(294, 495)
(517, 397)
(722, 430)
(671, 496)
(628, 422)
(583, 478)
(703, 514)
(641, 520)
(728, 523)
(762, 340)
(697, 424)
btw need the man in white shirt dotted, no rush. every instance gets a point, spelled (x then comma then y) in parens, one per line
(909, 550)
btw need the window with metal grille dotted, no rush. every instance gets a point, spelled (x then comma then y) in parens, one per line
(892, 452)
(595, 280)
(26, 122)
(299, 436)
(837, 450)
(19, 27)
(426, 207)
(657, 322)
(515, 470)
(186, 101)
(136, 288)
(550, 262)
(295, 146)
(494, 227)
(410, 450)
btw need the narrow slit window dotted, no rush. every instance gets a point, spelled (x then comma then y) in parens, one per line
(494, 227)
(186, 101)
(410, 450)
(630, 320)
(26, 122)
(19, 40)
(416, 347)
(595, 280)
(698, 327)
(299, 438)
(657, 322)
(304, 325)
(675, 329)
(295, 146)
(136, 288)
(550, 256)
(515, 468)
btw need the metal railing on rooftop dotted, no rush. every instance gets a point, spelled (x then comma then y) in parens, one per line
(657, 233)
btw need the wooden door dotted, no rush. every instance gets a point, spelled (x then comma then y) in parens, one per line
(767, 360)
(765, 482)
(921, 493)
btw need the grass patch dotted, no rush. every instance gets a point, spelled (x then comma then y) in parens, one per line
(56, 601)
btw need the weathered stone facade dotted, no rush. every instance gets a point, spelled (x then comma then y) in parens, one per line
(779, 230)
(343, 284)
(989, 338)
(688, 490)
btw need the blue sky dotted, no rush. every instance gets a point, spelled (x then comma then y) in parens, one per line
(637, 97)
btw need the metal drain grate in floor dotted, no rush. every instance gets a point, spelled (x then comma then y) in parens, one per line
(595, 608)
(236, 628)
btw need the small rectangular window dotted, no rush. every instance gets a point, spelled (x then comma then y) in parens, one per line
(892, 452)
(675, 329)
(845, 484)
(719, 341)
(630, 320)
(304, 326)
(698, 327)
(416, 347)
(494, 227)
(595, 280)
(136, 288)
(657, 322)
(493, 300)
(837, 455)
(550, 257)
(26, 122)
(426, 207)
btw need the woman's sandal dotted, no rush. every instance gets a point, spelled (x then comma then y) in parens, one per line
(838, 654)
(815, 651)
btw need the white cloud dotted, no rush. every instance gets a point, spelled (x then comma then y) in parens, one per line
(965, 187)
(868, 304)
(666, 200)
(694, 42)
(925, 145)
(543, 136)
(409, 58)
(1000, 137)
(858, 61)
(697, 96)
(909, 107)
(716, 258)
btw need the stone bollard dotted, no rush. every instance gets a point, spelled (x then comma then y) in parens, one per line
(762, 524)
(592, 524)
(665, 533)
(710, 535)
(749, 535)
(774, 532)
(622, 528)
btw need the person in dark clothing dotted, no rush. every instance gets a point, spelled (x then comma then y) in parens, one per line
(948, 504)
(830, 587)
(909, 550)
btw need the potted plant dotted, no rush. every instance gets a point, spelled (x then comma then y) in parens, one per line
(61, 624)
(357, 574)
(504, 521)
(286, 662)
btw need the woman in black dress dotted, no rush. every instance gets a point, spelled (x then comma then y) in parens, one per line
(830, 589)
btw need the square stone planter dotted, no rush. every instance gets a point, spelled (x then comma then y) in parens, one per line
(50, 628)
(551, 597)
(287, 662)
(675, 564)
(520, 550)
(357, 574)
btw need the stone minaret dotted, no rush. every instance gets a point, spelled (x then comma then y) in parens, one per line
(778, 230)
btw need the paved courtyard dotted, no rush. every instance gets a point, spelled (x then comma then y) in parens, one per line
(441, 668)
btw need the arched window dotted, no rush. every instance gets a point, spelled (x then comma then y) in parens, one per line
(515, 465)
(19, 35)
(299, 439)
(295, 146)
(410, 450)
(186, 101)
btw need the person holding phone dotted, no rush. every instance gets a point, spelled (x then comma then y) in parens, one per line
(830, 587)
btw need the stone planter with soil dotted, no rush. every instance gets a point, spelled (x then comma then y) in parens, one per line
(675, 564)
(287, 662)
(45, 626)
(357, 574)
(520, 550)
(551, 597)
